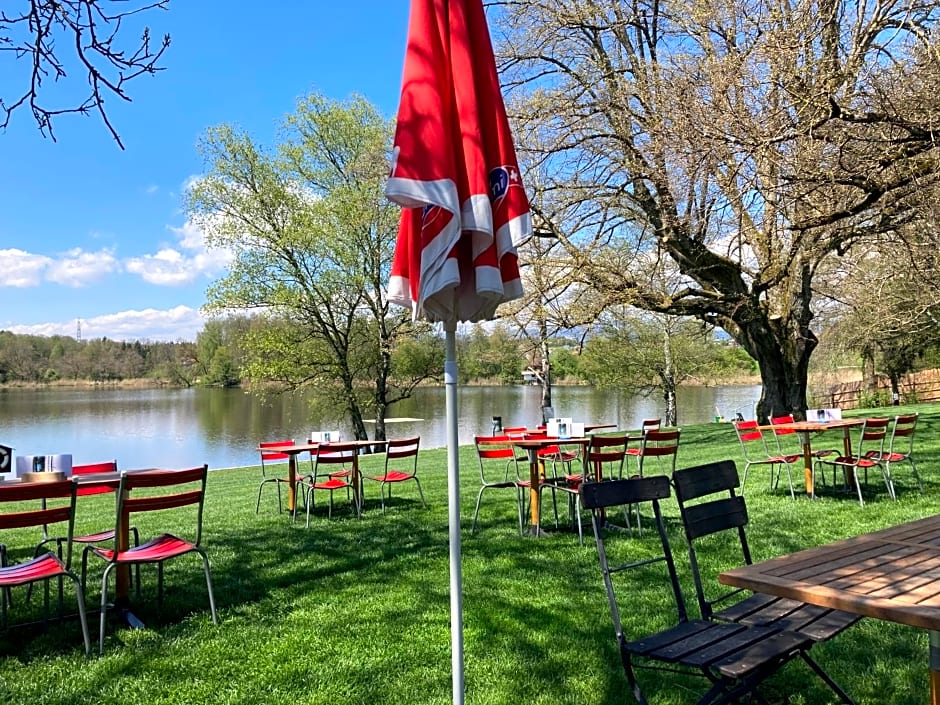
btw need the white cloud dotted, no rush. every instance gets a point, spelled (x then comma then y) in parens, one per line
(78, 268)
(178, 323)
(22, 269)
(176, 266)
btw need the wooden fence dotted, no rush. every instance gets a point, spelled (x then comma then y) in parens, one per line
(914, 387)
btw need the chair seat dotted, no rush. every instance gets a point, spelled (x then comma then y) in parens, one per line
(393, 476)
(158, 549)
(855, 462)
(334, 483)
(42, 567)
(100, 537)
(784, 458)
(885, 457)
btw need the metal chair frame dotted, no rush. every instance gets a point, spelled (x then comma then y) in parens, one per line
(404, 451)
(154, 491)
(269, 456)
(868, 453)
(326, 480)
(734, 658)
(900, 449)
(48, 566)
(749, 433)
(490, 451)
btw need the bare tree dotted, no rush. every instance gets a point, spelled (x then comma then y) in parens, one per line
(746, 142)
(56, 40)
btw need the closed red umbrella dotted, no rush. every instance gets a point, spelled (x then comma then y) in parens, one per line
(455, 171)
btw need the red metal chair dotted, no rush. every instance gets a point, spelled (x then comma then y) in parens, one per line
(662, 445)
(325, 480)
(870, 449)
(154, 491)
(785, 433)
(756, 452)
(645, 425)
(498, 471)
(47, 566)
(269, 457)
(100, 537)
(401, 450)
(900, 449)
(603, 459)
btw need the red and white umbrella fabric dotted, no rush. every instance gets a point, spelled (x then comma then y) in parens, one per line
(455, 171)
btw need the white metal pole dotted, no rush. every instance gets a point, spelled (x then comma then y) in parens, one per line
(453, 505)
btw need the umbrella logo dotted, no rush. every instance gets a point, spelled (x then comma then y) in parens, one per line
(501, 179)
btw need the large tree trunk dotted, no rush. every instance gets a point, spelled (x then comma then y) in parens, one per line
(781, 342)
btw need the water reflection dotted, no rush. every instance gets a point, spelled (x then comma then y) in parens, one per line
(185, 427)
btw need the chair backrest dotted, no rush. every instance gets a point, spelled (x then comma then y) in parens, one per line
(332, 454)
(495, 448)
(94, 469)
(617, 553)
(709, 505)
(400, 449)
(273, 455)
(781, 432)
(605, 455)
(872, 436)
(650, 425)
(17, 516)
(660, 444)
(902, 434)
(159, 490)
(749, 434)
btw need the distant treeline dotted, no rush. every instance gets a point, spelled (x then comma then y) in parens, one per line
(35, 358)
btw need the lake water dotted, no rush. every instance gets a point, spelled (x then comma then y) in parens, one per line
(222, 427)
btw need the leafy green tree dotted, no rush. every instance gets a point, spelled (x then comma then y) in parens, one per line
(645, 353)
(744, 142)
(313, 238)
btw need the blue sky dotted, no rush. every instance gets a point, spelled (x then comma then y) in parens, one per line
(92, 233)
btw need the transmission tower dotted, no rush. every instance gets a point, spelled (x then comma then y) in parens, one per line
(78, 329)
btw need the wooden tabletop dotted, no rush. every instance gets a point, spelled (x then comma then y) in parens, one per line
(892, 574)
(814, 425)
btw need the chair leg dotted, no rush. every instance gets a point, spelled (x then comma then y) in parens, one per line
(104, 606)
(889, 483)
(420, 492)
(82, 616)
(205, 567)
(858, 487)
(476, 511)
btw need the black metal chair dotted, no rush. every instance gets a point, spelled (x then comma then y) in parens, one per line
(709, 505)
(734, 658)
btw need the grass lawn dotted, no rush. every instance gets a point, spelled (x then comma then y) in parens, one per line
(357, 611)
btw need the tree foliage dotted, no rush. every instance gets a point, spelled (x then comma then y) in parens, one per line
(35, 358)
(647, 353)
(313, 239)
(71, 56)
(743, 143)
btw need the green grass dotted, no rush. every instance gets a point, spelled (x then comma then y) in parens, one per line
(357, 611)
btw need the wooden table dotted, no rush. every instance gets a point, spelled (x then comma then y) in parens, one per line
(532, 446)
(293, 451)
(805, 428)
(892, 574)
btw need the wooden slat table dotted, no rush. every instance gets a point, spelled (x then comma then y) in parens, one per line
(892, 574)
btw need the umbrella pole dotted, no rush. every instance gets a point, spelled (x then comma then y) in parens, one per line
(453, 504)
